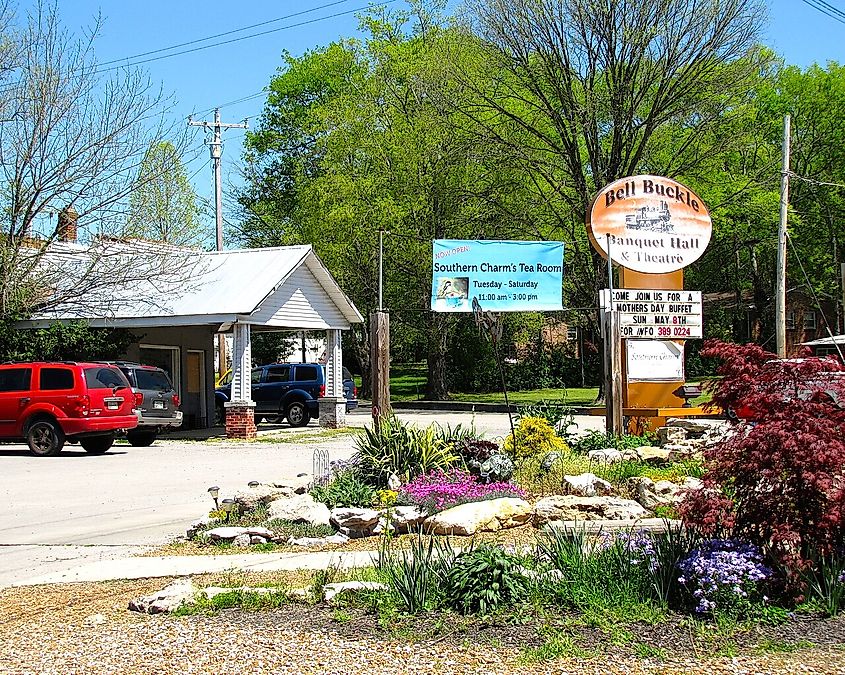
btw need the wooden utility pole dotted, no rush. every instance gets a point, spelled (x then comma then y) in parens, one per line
(215, 145)
(780, 285)
(380, 344)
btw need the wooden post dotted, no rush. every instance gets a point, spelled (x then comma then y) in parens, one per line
(380, 362)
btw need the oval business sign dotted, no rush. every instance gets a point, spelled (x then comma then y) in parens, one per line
(650, 224)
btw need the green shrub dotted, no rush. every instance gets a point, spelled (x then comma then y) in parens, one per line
(393, 447)
(534, 437)
(485, 579)
(825, 581)
(417, 575)
(345, 489)
(557, 413)
(599, 440)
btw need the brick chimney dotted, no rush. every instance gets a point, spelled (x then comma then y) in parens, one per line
(67, 228)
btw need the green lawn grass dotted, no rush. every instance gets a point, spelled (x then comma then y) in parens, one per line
(407, 383)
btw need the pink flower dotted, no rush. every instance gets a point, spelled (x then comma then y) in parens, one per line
(439, 490)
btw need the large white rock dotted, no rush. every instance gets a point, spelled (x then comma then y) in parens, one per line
(261, 495)
(573, 507)
(587, 485)
(651, 455)
(693, 427)
(225, 533)
(168, 599)
(605, 455)
(355, 519)
(486, 516)
(646, 494)
(400, 519)
(670, 435)
(299, 509)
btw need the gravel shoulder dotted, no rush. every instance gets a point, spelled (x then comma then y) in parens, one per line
(86, 628)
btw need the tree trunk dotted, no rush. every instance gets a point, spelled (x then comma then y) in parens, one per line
(436, 386)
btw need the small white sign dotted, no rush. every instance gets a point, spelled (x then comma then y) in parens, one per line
(655, 361)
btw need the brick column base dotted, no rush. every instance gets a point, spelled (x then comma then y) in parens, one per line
(332, 412)
(240, 419)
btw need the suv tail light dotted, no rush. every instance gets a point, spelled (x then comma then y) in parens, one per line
(82, 405)
(355, 390)
(322, 390)
(139, 399)
(176, 400)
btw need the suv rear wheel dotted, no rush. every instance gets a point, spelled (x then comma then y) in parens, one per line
(97, 445)
(140, 439)
(45, 437)
(297, 414)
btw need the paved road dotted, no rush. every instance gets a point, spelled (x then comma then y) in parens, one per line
(49, 507)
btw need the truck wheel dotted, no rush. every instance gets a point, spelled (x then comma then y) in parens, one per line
(97, 445)
(297, 414)
(141, 439)
(45, 437)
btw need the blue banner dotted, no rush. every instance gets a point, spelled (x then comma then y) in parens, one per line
(503, 276)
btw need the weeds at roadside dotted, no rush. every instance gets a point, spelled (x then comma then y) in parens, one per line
(236, 598)
(647, 651)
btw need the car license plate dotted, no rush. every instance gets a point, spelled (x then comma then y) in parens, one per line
(158, 405)
(113, 403)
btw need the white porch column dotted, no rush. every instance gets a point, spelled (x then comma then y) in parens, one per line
(240, 411)
(333, 404)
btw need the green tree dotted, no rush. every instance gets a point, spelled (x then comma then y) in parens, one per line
(163, 204)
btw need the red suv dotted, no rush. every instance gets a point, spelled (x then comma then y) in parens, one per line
(48, 403)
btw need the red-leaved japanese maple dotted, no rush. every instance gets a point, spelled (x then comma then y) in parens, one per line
(777, 480)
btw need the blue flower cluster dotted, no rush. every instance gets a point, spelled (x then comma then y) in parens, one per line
(722, 571)
(640, 547)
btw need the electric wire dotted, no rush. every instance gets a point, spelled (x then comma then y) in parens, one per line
(826, 9)
(814, 181)
(224, 34)
(815, 295)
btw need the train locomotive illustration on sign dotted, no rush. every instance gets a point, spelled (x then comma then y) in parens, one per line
(654, 218)
(650, 224)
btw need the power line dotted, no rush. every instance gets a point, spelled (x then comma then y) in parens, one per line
(224, 34)
(239, 100)
(243, 37)
(826, 9)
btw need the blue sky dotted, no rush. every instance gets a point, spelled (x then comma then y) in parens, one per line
(212, 77)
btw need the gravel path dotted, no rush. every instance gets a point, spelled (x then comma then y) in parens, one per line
(86, 629)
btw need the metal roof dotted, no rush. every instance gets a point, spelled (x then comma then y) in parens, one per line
(834, 340)
(144, 284)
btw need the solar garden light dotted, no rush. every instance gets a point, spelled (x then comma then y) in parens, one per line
(214, 491)
(228, 505)
(688, 392)
(253, 484)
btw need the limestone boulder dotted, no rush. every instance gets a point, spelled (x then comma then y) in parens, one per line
(486, 516)
(401, 519)
(298, 484)
(355, 522)
(691, 483)
(694, 427)
(299, 509)
(573, 507)
(605, 456)
(261, 495)
(497, 468)
(645, 493)
(166, 600)
(652, 455)
(587, 485)
(224, 533)
(669, 435)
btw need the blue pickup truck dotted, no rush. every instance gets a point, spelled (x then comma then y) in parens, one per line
(286, 391)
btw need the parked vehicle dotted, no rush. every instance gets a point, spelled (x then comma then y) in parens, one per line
(48, 403)
(287, 391)
(158, 402)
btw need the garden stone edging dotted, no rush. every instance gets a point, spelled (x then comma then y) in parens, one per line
(167, 600)
(485, 516)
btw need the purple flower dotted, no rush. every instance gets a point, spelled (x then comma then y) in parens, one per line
(440, 490)
(721, 571)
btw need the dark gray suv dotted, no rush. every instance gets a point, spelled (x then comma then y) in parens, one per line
(157, 403)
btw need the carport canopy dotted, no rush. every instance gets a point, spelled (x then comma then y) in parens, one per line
(148, 285)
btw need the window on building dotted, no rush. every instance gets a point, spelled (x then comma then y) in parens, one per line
(810, 320)
(790, 319)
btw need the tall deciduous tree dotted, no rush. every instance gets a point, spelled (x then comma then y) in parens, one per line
(70, 135)
(163, 206)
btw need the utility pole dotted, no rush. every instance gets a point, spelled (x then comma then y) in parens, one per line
(780, 286)
(216, 148)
